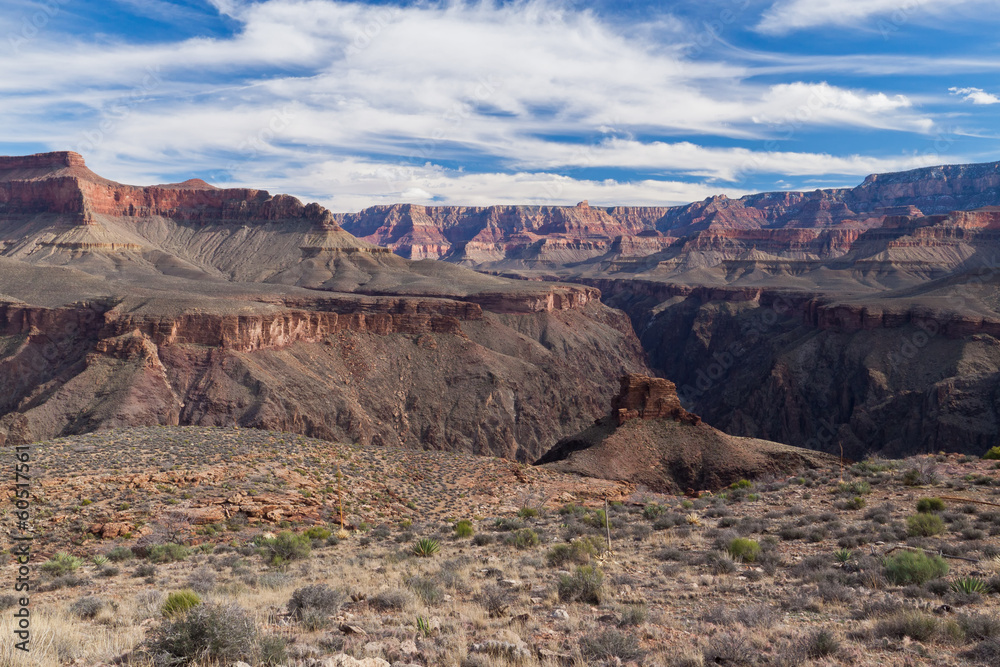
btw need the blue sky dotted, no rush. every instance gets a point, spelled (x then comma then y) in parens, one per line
(355, 104)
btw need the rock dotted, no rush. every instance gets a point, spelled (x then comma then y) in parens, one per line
(349, 629)
(561, 614)
(408, 647)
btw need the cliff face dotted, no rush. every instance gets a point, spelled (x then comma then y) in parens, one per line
(187, 304)
(450, 376)
(60, 183)
(547, 236)
(889, 378)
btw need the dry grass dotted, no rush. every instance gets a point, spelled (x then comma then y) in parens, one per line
(664, 600)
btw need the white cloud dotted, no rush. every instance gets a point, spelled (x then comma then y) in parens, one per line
(975, 95)
(787, 16)
(492, 86)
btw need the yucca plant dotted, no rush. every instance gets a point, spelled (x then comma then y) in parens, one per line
(99, 561)
(843, 555)
(426, 547)
(969, 585)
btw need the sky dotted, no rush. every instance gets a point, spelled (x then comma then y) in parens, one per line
(354, 104)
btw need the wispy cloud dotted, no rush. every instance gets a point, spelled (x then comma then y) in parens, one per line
(787, 16)
(975, 95)
(502, 89)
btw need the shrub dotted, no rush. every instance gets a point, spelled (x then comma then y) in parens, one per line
(744, 549)
(578, 551)
(505, 524)
(914, 567)
(857, 488)
(652, 511)
(464, 528)
(920, 475)
(425, 547)
(908, 623)
(87, 607)
(273, 650)
(928, 505)
(496, 599)
(390, 600)
(527, 513)
(482, 539)
(145, 570)
(222, 633)
(584, 585)
(993, 453)
(319, 597)
(7, 601)
(822, 643)
(180, 602)
(201, 581)
(317, 533)
(284, 547)
(524, 539)
(61, 564)
(168, 553)
(596, 519)
(120, 554)
(426, 588)
(924, 525)
(610, 644)
(720, 562)
(633, 614)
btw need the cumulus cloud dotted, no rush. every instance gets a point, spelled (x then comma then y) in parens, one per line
(975, 95)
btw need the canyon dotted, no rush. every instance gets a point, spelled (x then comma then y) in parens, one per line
(858, 321)
(861, 320)
(185, 304)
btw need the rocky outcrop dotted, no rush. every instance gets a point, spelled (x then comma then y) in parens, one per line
(60, 183)
(642, 397)
(648, 439)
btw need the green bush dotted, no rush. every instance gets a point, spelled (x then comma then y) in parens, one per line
(464, 528)
(61, 564)
(527, 513)
(524, 539)
(741, 484)
(578, 551)
(596, 519)
(652, 511)
(426, 547)
(180, 602)
(744, 549)
(120, 554)
(206, 633)
(928, 505)
(168, 553)
(284, 547)
(993, 453)
(584, 585)
(317, 533)
(924, 525)
(914, 567)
